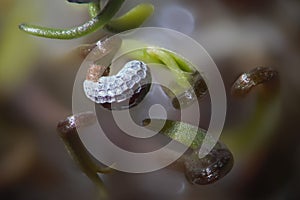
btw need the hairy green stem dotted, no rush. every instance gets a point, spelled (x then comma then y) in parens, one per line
(214, 166)
(181, 132)
(88, 27)
(94, 8)
(130, 20)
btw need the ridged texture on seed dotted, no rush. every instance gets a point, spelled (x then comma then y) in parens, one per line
(119, 87)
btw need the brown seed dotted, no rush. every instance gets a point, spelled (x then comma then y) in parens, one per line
(209, 169)
(247, 81)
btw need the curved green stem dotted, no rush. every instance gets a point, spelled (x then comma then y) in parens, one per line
(90, 26)
(214, 166)
(132, 19)
(181, 132)
(94, 8)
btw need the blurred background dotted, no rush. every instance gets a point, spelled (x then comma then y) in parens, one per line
(36, 79)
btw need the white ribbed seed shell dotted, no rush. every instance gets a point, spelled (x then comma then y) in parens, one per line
(119, 87)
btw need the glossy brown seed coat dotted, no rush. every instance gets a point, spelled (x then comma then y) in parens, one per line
(211, 168)
(247, 81)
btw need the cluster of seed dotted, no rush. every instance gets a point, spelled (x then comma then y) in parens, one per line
(119, 87)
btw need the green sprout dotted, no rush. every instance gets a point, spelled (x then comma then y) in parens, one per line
(183, 133)
(130, 19)
(100, 19)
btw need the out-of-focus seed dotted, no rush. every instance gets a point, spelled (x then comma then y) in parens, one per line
(213, 167)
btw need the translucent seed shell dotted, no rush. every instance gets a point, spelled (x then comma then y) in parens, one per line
(119, 87)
